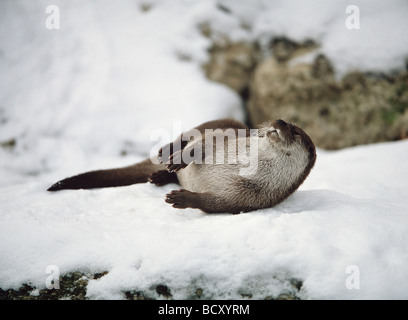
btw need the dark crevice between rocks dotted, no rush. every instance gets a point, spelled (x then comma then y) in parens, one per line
(284, 49)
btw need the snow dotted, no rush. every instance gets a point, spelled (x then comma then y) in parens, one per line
(94, 94)
(349, 212)
(377, 45)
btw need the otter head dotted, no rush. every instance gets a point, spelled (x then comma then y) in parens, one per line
(288, 135)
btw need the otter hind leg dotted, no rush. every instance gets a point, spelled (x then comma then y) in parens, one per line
(207, 202)
(162, 177)
(182, 199)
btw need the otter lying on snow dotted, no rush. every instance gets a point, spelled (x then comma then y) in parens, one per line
(256, 171)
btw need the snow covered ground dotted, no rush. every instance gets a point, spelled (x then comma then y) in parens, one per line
(91, 94)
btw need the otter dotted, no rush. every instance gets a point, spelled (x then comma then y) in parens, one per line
(284, 158)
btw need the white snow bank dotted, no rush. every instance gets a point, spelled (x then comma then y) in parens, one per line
(74, 99)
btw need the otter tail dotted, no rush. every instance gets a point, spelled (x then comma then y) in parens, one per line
(137, 173)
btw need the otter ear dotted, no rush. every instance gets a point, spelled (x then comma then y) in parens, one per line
(296, 131)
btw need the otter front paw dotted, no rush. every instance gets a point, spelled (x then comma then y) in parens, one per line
(162, 177)
(180, 199)
(165, 152)
(175, 162)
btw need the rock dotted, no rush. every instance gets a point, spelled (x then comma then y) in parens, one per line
(72, 287)
(322, 68)
(246, 295)
(358, 109)
(199, 293)
(284, 49)
(9, 144)
(287, 296)
(296, 283)
(164, 291)
(232, 64)
(136, 295)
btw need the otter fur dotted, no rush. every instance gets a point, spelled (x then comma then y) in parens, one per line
(284, 157)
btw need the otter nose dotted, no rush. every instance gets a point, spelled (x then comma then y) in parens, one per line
(281, 122)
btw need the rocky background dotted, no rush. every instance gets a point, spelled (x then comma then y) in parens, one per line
(358, 108)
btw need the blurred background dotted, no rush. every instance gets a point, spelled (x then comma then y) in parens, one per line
(84, 84)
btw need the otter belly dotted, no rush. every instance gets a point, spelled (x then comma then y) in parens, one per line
(212, 178)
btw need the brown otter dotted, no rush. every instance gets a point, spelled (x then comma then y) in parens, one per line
(284, 157)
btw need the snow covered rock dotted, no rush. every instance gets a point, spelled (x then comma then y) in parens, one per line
(361, 108)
